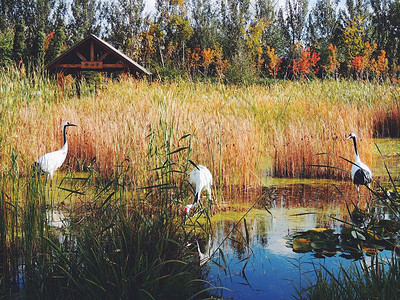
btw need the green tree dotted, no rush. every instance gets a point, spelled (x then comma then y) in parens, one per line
(125, 22)
(56, 43)
(380, 19)
(295, 20)
(321, 28)
(85, 16)
(38, 52)
(173, 18)
(6, 47)
(235, 15)
(19, 46)
(7, 14)
(393, 45)
(204, 23)
(265, 10)
(322, 22)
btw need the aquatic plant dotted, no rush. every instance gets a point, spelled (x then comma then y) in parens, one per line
(378, 279)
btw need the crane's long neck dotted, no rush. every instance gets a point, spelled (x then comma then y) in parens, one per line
(196, 198)
(355, 148)
(65, 146)
(65, 134)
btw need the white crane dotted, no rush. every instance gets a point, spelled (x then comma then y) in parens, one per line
(51, 161)
(201, 177)
(360, 172)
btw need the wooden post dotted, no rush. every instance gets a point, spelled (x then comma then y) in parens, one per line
(92, 51)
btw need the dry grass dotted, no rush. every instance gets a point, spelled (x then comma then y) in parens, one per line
(233, 129)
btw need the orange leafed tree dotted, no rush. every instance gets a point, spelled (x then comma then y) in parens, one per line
(273, 64)
(307, 61)
(333, 66)
(358, 65)
(367, 52)
(208, 57)
(194, 59)
(220, 63)
(47, 40)
(381, 65)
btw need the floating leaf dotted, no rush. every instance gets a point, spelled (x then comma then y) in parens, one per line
(301, 245)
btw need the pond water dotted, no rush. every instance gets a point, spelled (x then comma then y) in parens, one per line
(255, 261)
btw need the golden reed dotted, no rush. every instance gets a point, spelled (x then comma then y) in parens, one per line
(235, 130)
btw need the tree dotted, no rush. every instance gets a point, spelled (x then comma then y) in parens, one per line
(295, 20)
(380, 21)
(353, 37)
(125, 23)
(234, 17)
(393, 47)
(85, 16)
(38, 52)
(204, 24)
(305, 64)
(19, 46)
(174, 21)
(208, 57)
(322, 22)
(7, 14)
(273, 62)
(333, 67)
(56, 43)
(6, 47)
(381, 65)
(253, 38)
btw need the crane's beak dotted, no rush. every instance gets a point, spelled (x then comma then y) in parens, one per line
(186, 211)
(70, 124)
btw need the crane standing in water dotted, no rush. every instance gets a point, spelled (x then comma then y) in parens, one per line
(200, 177)
(51, 161)
(360, 172)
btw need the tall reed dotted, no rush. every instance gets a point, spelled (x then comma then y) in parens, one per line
(235, 130)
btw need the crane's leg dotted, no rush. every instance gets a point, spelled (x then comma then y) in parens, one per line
(358, 193)
(209, 199)
(51, 179)
(369, 189)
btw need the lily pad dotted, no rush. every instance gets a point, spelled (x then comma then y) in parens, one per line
(301, 245)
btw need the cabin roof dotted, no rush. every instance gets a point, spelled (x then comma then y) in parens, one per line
(94, 54)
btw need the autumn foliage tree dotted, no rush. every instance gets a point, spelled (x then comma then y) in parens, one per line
(306, 63)
(333, 67)
(253, 38)
(221, 63)
(194, 59)
(273, 62)
(208, 57)
(353, 36)
(381, 65)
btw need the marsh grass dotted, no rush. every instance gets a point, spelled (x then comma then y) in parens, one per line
(234, 130)
(377, 279)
